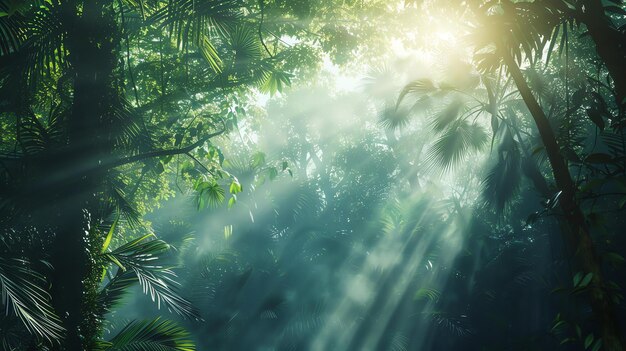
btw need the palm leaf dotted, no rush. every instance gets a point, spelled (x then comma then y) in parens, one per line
(399, 342)
(11, 29)
(141, 257)
(447, 115)
(193, 22)
(22, 293)
(393, 118)
(197, 18)
(111, 295)
(456, 143)
(246, 46)
(504, 178)
(210, 54)
(43, 45)
(121, 204)
(450, 324)
(132, 133)
(419, 86)
(154, 335)
(209, 193)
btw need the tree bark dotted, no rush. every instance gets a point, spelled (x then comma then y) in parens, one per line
(578, 238)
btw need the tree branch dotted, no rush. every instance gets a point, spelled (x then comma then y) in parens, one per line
(262, 5)
(166, 152)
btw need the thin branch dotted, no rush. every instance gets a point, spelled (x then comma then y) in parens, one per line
(262, 5)
(197, 161)
(595, 196)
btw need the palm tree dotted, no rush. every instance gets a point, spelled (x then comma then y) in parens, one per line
(577, 236)
(505, 28)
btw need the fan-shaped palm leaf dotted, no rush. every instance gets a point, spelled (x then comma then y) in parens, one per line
(393, 118)
(209, 193)
(246, 47)
(380, 82)
(419, 86)
(447, 115)
(189, 20)
(455, 143)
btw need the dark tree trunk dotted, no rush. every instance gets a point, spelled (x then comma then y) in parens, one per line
(578, 238)
(92, 42)
(610, 44)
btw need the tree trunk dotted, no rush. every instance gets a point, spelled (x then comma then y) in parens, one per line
(577, 239)
(92, 41)
(610, 44)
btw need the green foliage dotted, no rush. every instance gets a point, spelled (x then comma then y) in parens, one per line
(209, 194)
(453, 145)
(110, 110)
(24, 295)
(141, 256)
(152, 335)
(393, 118)
(504, 179)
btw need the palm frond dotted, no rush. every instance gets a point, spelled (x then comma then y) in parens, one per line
(456, 143)
(121, 204)
(380, 82)
(451, 324)
(399, 342)
(210, 54)
(393, 118)
(189, 19)
(132, 134)
(419, 86)
(13, 336)
(430, 294)
(152, 335)
(11, 29)
(209, 193)
(141, 256)
(503, 180)
(276, 81)
(44, 42)
(111, 295)
(200, 23)
(143, 7)
(447, 115)
(245, 45)
(23, 294)
(615, 142)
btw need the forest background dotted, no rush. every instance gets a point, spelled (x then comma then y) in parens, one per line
(312, 174)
